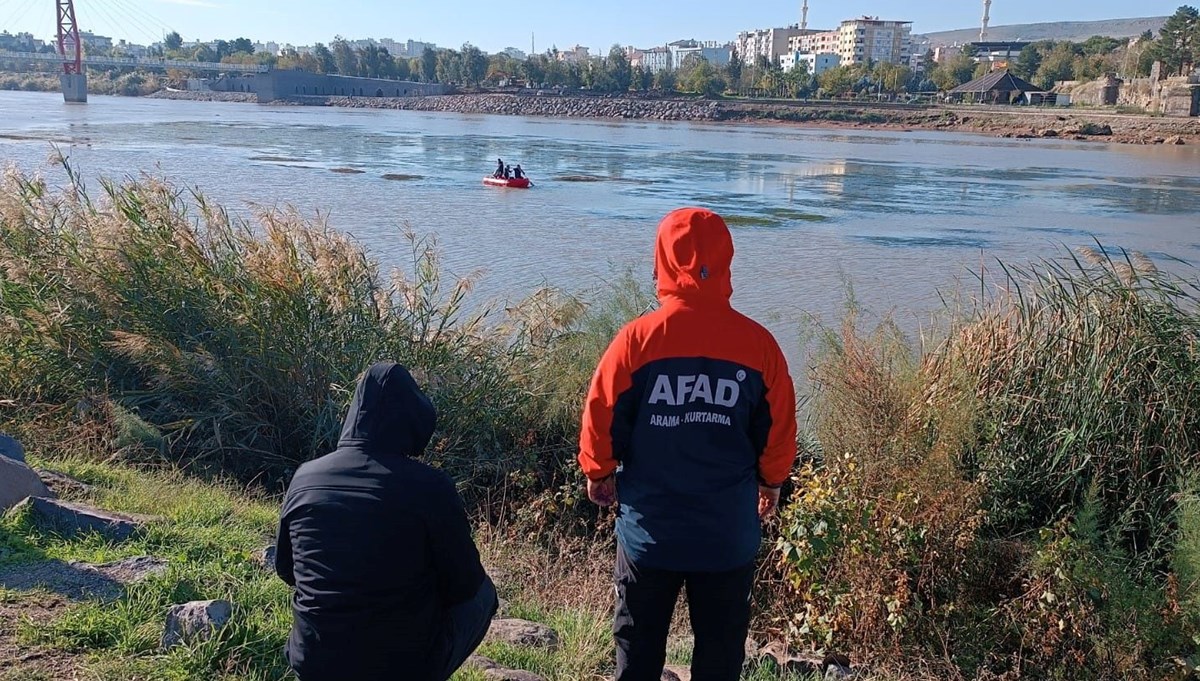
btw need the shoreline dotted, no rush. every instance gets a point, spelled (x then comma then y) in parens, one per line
(1009, 123)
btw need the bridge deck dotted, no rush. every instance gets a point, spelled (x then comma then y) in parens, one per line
(147, 63)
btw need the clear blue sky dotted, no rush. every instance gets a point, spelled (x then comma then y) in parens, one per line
(496, 24)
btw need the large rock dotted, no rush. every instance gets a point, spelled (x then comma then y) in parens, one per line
(10, 448)
(81, 581)
(494, 671)
(64, 485)
(68, 519)
(195, 621)
(674, 673)
(523, 634)
(18, 481)
(265, 557)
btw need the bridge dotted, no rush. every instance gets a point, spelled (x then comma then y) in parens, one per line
(143, 63)
(69, 53)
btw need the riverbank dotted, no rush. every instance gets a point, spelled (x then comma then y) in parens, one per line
(1019, 123)
(996, 502)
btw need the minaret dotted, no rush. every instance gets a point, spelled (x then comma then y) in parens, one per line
(804, 16)
(987, 18)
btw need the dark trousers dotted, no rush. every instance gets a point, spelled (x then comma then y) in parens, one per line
(719, 604)
(463, 629)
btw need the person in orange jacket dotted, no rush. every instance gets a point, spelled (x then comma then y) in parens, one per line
(690, 428)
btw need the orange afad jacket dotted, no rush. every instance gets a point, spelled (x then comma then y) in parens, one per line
(692, 407)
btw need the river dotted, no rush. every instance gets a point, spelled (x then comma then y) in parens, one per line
(899, 218)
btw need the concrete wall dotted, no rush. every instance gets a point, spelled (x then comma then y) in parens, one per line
(278, 85)
(282, 85)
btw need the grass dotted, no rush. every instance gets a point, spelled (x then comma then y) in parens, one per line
(209, 532)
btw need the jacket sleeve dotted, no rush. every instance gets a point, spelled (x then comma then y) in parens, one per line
(455, 558)
(604, 420)
(779, 453)
(284, 565)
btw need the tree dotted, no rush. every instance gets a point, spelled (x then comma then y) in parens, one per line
(369, 62)
(345, 58)
(1179, 41)
(838, 81)
(401, 68)
(953, 72)
(429, 60)
(205, 53)
(1099, 45)
(241, 45)
(618, 68)
(222, 49)
(1057, 66)
(473, 64)
(449, 67)
(325, 61)
(173, 41)
(733, 70)
(705, 79)
(892, 78)
(534, 70)
(1030, 59)
(664, 80)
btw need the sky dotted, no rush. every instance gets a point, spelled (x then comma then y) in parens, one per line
(494, 25)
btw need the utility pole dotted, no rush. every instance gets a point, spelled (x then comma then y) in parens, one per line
(987, 18)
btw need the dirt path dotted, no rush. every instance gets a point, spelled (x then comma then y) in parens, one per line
(22, 662)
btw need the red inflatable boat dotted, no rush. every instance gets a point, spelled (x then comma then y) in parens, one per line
(512, 183)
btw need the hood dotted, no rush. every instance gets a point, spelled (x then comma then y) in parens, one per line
(389, 414)
(693, 255)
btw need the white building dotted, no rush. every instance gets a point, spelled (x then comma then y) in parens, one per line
(656, 59)
(771, 43)
(813, 64)
(945, 53)
(575, 55)
(869, 40)
(712, 51)
(515, 53)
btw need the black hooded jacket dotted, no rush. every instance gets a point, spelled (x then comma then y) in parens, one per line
(376, 544)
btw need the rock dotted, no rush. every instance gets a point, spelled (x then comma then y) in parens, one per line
(10, 448)
(197, 620)
(133, 570)
(836, 672)
(798, 666)
(503, 609)
(68, 519)
(673, 673)
(493, 671)
(1176, 140)
(1096, 129)
(1050, 133)
(18, 481)
(523, 634)
(265, 558)
(502, 674)
(64, 485)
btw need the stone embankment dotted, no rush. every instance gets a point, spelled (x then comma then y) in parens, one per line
(549, 106)
(188, 96)
(1007, 122)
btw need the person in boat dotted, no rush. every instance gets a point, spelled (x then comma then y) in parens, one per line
(508, 172)
(499, 168)
(518, 173)
(387, 582)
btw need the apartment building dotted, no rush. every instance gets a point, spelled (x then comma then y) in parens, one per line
(771, 43)
(813, 64)
(869, 40)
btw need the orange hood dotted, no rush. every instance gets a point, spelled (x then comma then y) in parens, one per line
(693, 255)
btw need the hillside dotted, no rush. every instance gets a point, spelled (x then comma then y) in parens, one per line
(1061, 30)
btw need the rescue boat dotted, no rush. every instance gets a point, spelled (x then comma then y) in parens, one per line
(511, 183)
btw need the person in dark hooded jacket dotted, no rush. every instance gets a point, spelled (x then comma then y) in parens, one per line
(388, 582)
